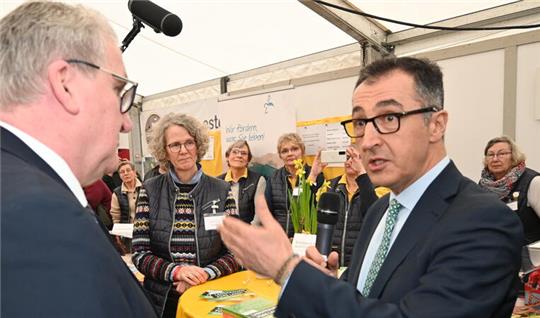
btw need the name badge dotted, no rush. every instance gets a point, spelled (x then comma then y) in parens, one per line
(296, 191)
(213, 220)
(513, 205)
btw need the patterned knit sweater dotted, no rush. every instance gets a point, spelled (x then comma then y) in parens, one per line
(183, 246)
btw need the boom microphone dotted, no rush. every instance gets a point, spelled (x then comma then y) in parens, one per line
(327, 216)
(156, 17)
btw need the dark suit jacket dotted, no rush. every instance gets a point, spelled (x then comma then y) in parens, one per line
(457, 255)
(56, 259)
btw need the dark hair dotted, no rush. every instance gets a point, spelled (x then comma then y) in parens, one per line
(427, 76)
(238, 144)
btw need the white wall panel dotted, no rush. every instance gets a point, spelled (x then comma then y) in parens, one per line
(474, 86)
(527, 127)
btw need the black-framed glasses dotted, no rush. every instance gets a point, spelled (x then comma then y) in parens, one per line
(177, 146)
(127, 95)
(385, 123)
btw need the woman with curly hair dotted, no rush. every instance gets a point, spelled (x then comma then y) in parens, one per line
(172, 244)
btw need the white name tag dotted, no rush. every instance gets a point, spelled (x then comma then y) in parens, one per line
(213, 220)
(295, 191)
(302, 241)
(512, 205)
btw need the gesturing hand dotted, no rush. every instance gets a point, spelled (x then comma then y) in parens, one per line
(263, 249)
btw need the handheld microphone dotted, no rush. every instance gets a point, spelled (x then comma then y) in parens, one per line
(327, 216)
(156, 17)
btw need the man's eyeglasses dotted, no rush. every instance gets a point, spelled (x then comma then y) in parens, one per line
(177, 146)
(127, 95)
(491, 155)
(385, 123)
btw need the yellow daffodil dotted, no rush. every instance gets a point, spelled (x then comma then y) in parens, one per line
(298, 164)
(300, 172)
(324, 187)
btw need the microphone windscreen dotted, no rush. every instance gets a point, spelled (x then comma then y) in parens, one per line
(327, 211)
(156, 17)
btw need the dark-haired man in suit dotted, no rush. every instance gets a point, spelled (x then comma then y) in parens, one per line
(436, 246)
(63, 104)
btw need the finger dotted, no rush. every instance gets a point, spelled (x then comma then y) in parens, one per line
(201, 276)
(231, 236)
(313, 254)
(332, 262)
(351, 152)
(261, 208)
(191, 280)
(317, 266)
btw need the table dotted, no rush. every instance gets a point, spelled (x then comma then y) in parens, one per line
(192, 306)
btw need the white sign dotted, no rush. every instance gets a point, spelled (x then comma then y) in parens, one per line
(302, 241)
(122, 229)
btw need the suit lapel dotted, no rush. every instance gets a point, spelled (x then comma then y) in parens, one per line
(13, 145)
(425, 214)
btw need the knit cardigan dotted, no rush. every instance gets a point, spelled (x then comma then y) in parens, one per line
(164, 240)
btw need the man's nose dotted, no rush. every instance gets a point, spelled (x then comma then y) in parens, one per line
(127, 124)
(371, 137)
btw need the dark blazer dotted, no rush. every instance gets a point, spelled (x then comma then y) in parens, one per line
(457, 255)
(57, 261)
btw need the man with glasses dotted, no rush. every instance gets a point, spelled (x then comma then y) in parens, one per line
(436, 246)
(63, 103)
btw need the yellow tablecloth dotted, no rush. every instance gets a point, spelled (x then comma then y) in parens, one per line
(192, 306)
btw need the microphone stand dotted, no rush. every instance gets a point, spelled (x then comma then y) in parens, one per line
(137, 25)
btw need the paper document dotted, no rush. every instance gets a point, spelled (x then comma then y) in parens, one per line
(122, 229)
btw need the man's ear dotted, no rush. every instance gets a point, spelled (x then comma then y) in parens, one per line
(437, 125)
(62, 78)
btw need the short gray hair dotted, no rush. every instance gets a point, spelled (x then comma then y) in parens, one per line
(517, 156)
(35, 34)
(125, 163)
(292, 138)
(158, 144)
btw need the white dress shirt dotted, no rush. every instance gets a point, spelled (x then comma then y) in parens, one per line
(408, 199)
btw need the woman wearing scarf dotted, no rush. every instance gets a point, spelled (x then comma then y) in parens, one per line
(506, 175)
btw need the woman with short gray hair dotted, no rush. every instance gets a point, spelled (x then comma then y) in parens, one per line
(506, 175)
(246, 184)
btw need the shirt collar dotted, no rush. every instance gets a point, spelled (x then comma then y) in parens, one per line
(57, 163)
(229, 178)
(412, 194)
(137, 185)
(196, 178)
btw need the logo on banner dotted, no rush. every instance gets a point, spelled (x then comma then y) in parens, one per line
(269, 104)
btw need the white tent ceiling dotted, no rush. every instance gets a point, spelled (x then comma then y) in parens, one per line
(223, 37)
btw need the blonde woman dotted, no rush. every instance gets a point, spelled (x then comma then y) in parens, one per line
(290, 148)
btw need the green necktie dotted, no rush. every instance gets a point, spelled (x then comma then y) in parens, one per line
(380, 256)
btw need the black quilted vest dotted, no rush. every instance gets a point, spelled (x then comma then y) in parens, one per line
(246, 195)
